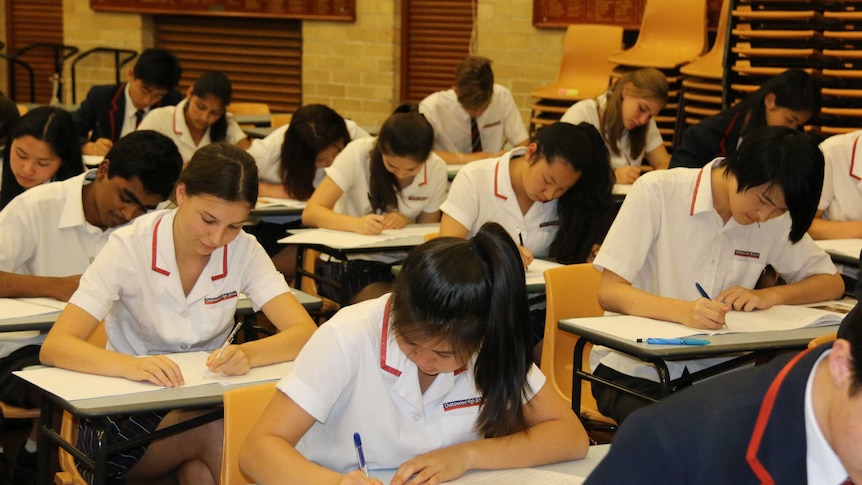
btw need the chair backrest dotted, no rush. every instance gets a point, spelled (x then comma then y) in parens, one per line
(280, 119)
(243, 108)
(674, 26)
(817, 342)
(711, 64)
(584, 65)
(242, 408)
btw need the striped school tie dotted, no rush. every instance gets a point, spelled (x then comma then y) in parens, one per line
(139, 116)
(474, 136)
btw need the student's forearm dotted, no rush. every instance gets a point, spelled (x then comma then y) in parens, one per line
(623, 298)
(273, 190)
(281, 347)
(826, 229)
(326, 218)
(17, 286)
(813, 289)
(271, 460)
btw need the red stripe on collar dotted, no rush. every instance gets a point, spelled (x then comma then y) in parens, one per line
(176, 131)
(853, 157)
(223, 265)
(384, 340)
(424, 174)
(496, 188)
(155, 265)
(114, 109)
(696, 188)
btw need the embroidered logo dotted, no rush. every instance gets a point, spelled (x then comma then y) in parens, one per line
(222, 297)
(463, 403)
(746, 254)
(549, 224)
(416, 197)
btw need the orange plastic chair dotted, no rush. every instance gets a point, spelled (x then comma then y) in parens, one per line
(243, 108)
(672, 33)
(572, 292)
(711, 64)
(280, 119)
(242, 408)
(817, 342)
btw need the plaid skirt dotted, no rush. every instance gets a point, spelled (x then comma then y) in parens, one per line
(118, 429)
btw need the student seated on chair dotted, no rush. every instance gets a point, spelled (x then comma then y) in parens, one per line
(789, 99)
(476, 118)
(435, 377)
(625, 116)
(201, 118)
(169, 283)
(718, 226)
(110, 112)
(42, 148)
(792, 421)
(839, 214)
(50, 234)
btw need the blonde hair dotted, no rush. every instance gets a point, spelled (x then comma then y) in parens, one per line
(645, 83)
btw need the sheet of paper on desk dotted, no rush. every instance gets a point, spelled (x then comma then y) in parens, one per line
(346, 239)
(787, 317)
(849, 248)
(71, 385)
(276, 202)
(27, 307)
(536, 271)
(518, 475)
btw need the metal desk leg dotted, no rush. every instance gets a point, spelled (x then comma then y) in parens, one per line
(577, 359)
(43, 453)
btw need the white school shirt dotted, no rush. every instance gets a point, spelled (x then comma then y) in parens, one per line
(43, 232)
(668, 236)
(588, 111)
(351, 172)
(352, 377)
(841, 198)
(135, 286)
(823, 466)
(267, 153)
(482, 192)
(129, 118)
(171, 122)
(501, 122)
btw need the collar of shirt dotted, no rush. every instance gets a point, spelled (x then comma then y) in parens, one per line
(130, 107)
(179, 122)
(701, 198)
(502, 178)
(165, 261)
(856, 159)
(73, 209)
(823, 465)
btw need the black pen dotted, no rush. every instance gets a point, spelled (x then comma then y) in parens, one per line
(521, 238)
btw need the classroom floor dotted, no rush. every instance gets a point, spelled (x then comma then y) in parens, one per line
(13, 434)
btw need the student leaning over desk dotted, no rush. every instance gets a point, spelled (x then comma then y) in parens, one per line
(839, 214)
(436, 377)
(718, 226)
(170, 282)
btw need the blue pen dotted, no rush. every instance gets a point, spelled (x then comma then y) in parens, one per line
(703, 292)
(675, 341)
(360, 456)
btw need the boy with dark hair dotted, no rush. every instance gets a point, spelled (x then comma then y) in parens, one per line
(718, 226)
(112, 111)
(473, 120)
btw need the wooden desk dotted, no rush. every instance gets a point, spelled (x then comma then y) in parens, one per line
(842, 251)
(259, 131)
(744, 347)
(256, 120)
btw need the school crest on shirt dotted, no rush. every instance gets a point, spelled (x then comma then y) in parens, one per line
(746, 254)
(462, 403)
(222, 297)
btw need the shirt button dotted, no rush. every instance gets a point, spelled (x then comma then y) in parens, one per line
(184, 346)
(417, 417)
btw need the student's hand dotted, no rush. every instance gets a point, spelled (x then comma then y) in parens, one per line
(158, 369)
(395, 220)
(627, 174)
(63, 287)
(739, 298)
(98, 147)
(232, 362)
(357, 477)
(432, 468)
(526, 256)
(370, 224)
(706, 313)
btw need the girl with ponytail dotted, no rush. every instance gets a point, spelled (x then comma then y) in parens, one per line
(436, 376)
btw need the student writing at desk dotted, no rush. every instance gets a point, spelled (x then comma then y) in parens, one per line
(170, 283)
(625, 117)
(381, 183)
(793, 421)
(718, 226)
(42, 148)
(436, 378)
(110, 112)
(50, 234)
(839, 214)
(473, 120)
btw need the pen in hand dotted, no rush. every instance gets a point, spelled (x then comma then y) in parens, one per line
(224, 346)
(360, 456)
(702, 292)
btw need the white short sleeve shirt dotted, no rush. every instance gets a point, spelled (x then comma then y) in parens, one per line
(482, 192)
(589, 111)
(353, 378)
(841, 199)
(135, 286)
(500, 123)
(171, 122)
(351, 171)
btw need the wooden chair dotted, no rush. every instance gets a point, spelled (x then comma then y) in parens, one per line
(22, 109)
(241, 108)
(572, 292)
(817, 342)
(242, 408)
(14, 412)
(280, 119)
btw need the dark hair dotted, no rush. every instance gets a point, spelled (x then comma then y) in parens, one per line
(313, 128)
(785, 158)
(794, 89)
(472, 294)
(224, 171)
(406, 133)
(647, 83)
(9, 116)
(148, 155)
(583, 210)
(158, 68)
(53, 126)
(474, 82)
(851, 330)
(217, 84)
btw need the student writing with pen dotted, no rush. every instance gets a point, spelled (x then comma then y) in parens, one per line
(436, 377)
(718, 226)
(169, 283)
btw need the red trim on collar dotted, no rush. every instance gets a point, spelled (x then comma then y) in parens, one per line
(384, 339)
(424, 174)
(223, 265)
(763, 419)
(155, 266)
(496, 172)
(696, 188)
(175, 120)
(853, 157)
(114, 109)
(722, 150)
